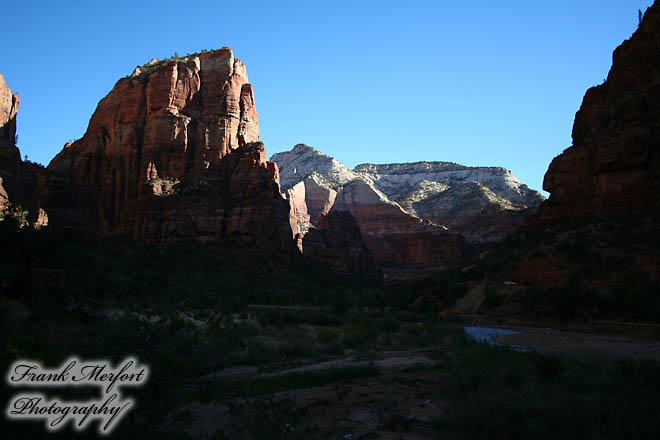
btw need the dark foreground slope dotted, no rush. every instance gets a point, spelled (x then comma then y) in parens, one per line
(351, 362)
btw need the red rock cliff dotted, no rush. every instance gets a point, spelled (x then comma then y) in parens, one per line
(9, 154)
(600, 223)
(171, 152)
(614, 162)
(20, 182)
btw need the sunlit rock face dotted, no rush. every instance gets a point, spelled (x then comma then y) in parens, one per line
(303, 161)
(484, 204)
(9, 153)
(20, 181)
(172, 152)
(404, 210)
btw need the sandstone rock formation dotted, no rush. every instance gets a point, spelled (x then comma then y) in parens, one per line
(309, 180)
(402, 209)
(396, 238)
(309, 199)
(304, 160)
(614, 162)
(299, 216)
(485, 205)
(337, 243)
(319, 196)
(600, 223)
(9, 154)
(10, 157)
(172, 152)
(20, 182)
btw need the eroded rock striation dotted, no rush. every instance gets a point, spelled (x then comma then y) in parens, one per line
(172, 152)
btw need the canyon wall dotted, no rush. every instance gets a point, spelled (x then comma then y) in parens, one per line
(614, 162)
(600, 223)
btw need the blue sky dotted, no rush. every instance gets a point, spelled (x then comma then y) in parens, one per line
(477, 83)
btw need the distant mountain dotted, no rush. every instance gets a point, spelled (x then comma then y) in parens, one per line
(303, 161)
(484, 204)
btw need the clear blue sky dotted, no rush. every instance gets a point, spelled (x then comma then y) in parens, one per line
(476, 82)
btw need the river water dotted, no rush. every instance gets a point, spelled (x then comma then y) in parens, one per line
(486, 334)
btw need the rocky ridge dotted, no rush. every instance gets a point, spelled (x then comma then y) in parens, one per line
(398, 178)
(484, 204)
(303, 161)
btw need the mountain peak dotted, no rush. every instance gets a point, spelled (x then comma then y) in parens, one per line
(303, 160)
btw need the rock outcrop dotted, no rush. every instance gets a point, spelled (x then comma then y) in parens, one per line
(298, 216)
(172, 152)
(399, 241)
(319, 196)
(309, 199)
(337, 243)
(21, 181)
(600, 223)
(9, 154)
(614, 162)
(304, 160)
